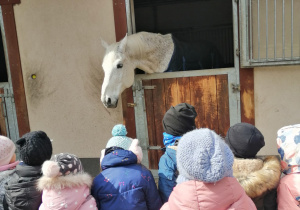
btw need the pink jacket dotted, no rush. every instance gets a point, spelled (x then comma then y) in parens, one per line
(70, 192)
(288, 190)
(224, 194)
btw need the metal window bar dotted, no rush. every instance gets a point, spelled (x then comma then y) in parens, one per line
(257, 38)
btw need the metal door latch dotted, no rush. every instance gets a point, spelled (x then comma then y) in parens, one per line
(235, 87)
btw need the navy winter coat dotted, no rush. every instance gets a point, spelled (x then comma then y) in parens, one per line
(167, 173)
(124, 184)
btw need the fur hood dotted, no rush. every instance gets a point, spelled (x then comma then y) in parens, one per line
(257, 175)
(61, 182)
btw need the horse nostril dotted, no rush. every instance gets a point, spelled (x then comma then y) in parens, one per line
(108, 101)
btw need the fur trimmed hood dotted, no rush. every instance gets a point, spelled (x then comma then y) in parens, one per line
(61, 182)
(257, 176)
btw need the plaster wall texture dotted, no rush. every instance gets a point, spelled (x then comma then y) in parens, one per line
(277, 101)
(60, 43)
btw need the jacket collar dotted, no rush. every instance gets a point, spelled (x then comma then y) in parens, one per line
(118, 158)
(28, 171)
(61, 182)
(257, 175)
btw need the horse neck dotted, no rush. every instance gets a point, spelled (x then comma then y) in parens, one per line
(151, 52)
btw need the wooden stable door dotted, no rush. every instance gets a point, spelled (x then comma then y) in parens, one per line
(208, 94)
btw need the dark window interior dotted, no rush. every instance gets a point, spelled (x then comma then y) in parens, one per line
(190, 21)
(3, 70)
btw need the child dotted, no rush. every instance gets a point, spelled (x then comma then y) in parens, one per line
(65, 185)
(177, 121)
(34, 148)
(258, 176)
(205, 178)
(124, 183)
(288, 139)
(7, 164)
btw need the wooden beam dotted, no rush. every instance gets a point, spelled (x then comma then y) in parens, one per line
(247, 95)
(6, 2)
(120, 18)
(15, 68)
(119, 8)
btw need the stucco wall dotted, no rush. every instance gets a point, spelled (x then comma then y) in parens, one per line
(277, 101)
(60, 42)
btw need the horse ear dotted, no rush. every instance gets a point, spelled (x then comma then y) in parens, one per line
(122, 46)
(104, 43)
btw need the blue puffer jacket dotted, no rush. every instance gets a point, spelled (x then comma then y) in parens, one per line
(167, 173)
(124, 184)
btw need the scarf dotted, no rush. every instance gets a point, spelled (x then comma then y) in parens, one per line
(169, 140)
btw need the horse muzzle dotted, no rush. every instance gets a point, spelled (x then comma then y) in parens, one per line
(109, 103)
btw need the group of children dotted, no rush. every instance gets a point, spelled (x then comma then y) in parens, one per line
(199, 170)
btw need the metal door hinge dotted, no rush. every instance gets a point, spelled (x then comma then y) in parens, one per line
(154, 147)
(149, 87)
(237, 52)
(139, 86)
(235, 87)
(131, 104)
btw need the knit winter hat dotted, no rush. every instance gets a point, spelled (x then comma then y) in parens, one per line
(288, 144)
(203, 155)
(7, 150)
(34, 147)
(61, 165)
(245, 140)
(119, 138)
(179, 119)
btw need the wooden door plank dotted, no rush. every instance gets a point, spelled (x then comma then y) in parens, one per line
(184, 94)
(152, 155)
(171, 92)
(223, 104)
(196, 95)
(159, 109)
(203, 96)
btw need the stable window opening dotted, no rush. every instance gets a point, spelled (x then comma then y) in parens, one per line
(191, 22)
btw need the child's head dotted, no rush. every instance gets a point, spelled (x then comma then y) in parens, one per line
(7, 151)
(288, 144)
(62, 164)
(179, 119)
(34, 147)
(245, 140)
(121, 141)
(203, 155)
(119, 138)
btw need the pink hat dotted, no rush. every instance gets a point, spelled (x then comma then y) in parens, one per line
(7, 150)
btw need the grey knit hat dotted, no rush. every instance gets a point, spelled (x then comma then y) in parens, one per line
(203, 155)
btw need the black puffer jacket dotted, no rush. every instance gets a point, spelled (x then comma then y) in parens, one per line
(21, 191)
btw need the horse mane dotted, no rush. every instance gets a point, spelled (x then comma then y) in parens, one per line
(152, 51)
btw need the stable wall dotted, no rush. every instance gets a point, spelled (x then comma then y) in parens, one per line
(277, 101)
(60, 43)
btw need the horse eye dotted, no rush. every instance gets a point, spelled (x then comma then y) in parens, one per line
(120, 65)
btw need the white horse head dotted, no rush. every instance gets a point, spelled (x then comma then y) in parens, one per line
(147, 51)
(118, 72)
